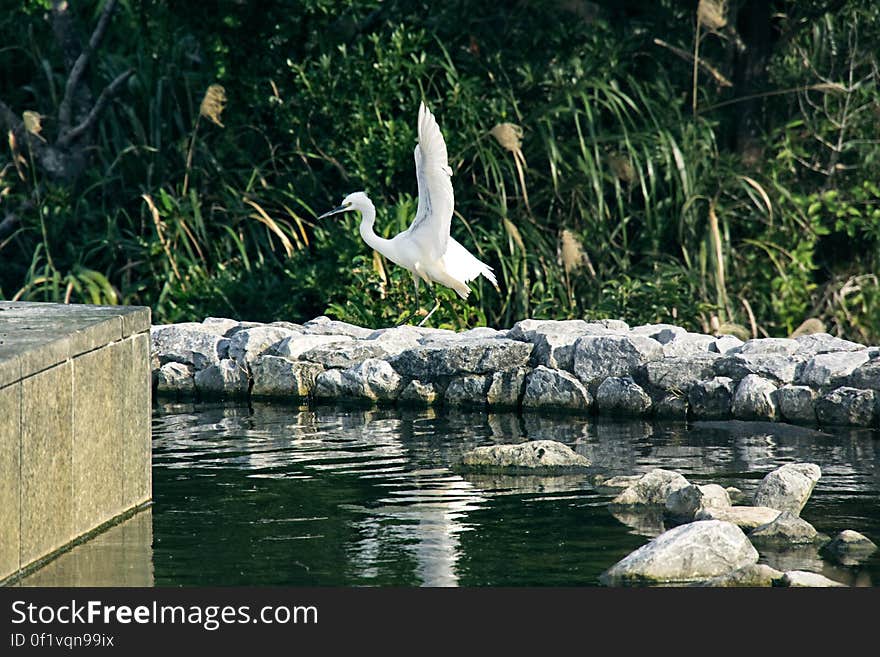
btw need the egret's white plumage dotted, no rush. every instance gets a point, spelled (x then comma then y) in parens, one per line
(426, 248)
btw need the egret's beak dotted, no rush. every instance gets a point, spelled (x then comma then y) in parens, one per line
(341, 208)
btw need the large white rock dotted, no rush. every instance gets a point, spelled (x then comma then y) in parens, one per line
(823, 343)
(550, 388)
(428, 362)
(753, 575)
(598, 357)
(688, 553)
(784, 346)
(685, 344)
(294, 347)
(788, 487)
(554, 340)
(796, 403)
(682, 372)
(535, 455)
(325, 326)
(652, 488)
(787, 529)
(780, 368)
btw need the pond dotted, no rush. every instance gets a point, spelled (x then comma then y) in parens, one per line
(270, 494)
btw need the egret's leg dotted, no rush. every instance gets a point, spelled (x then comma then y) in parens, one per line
(434, 309)
(418, 305)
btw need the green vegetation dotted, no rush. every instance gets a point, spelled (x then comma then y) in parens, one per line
(600, 167)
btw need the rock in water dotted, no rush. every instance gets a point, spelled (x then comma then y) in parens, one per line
(804, 578)
(652, 488)
(685, 502)
(540, 456)
(688, 553)
(850, 547)
(746, 517)
(789, 487)
(753, 575)
(786, 529)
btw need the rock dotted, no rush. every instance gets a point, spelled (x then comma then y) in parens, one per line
(822, 369)
(685, 502)
(763, 346)
(549, 388)
(725, 344)
(325, 326)
(347, 354)
(850, 547)
(373, 379)
(418, 393)
(506, 388)
(616, 325)
(247, 345)
(779, 368)
(680, 373)
(275, 376)
(787, 529)
(533, 456)
(804, 578)
(622, 395)
(461, 357)
(288, 325)
(221, 325)
(226, 378)
(652, 488)
(671, 406)
(685, 344)
(747, 517)
(295, 346)
(822, 343)
(711, 399)
(752, 575)
(662, 333)
(796, 403)
(468, 391)
(735, 494)
(189, 344)
(554, 340)
(688, 553)
(617, 483)
(599, 357)
(788, 487)
(176, 378)
(865, 376)
(753, 399)
(482, 332)
(848, 406)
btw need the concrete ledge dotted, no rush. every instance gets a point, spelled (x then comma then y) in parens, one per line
(74, 424)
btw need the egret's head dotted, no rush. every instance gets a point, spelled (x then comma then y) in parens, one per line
(354, 201)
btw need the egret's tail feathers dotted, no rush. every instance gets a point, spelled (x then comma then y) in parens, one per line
(463, 266)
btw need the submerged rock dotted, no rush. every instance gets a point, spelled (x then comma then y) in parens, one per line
(752, 575)
(805, 578)
(746, 517)
(688, 553)
(850, 547)
(787, 529)
(652, 488)
(549, 388)
(788, 487)
(535, 455)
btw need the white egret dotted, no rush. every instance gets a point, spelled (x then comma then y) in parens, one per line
(426, 248)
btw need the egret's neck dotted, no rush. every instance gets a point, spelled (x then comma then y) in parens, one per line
(368, 218)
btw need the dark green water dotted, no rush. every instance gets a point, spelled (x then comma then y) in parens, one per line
(280, 495)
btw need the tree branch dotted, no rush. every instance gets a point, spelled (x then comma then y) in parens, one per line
(100, 105)
(80, 65)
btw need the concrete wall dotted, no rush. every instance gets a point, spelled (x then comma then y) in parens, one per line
(75, 448)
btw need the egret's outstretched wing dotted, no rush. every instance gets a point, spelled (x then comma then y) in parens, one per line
(436, 201)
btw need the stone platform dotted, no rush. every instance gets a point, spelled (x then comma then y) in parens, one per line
(75, 447)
